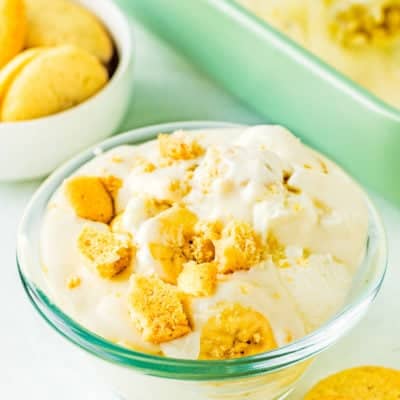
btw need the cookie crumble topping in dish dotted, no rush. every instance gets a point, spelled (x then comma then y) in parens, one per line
(255, 255)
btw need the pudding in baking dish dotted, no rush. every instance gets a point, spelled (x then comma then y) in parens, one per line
(360, 38)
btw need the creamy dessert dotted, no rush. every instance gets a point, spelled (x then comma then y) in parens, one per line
(361, 38)
(209, 244)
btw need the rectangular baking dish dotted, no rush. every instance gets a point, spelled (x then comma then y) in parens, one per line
(285, 83)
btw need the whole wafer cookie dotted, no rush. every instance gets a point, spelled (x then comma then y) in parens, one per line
(58, 22)
(12, 29)
(361, 383)
(55, 80)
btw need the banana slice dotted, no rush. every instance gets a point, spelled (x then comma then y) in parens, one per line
(236, 331)
(175, 228)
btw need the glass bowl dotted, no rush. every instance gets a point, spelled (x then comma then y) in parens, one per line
(135, 375)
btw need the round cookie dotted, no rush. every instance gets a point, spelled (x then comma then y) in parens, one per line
(58, 22)
(335, 398)
(12, 29)
(366, 383)
(55, 80)
(11, 70)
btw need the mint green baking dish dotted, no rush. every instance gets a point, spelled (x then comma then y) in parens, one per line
(285, 83)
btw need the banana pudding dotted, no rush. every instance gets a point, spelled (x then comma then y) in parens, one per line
(360, 38)
(211, 244)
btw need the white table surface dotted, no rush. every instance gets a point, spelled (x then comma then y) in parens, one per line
(35, 363)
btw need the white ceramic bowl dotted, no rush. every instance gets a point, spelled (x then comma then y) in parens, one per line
(32, 149)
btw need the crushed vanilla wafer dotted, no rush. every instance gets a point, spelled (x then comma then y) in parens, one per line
(108, 252)
(198, 279)
(157, 309)
(239, 248)
(179, 148)
(90, 199)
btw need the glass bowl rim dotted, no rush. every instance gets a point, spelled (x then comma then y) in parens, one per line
(288, 355)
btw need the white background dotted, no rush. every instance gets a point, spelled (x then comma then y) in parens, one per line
(35, 363)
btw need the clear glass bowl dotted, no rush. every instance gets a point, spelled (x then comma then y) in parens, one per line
(135, 375)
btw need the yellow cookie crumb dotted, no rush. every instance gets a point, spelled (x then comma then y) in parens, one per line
(198, 279)
(156, 206)
(211, 230)
(199, 249)
(149, 167)
(276, 251)
(288, 337)
(176, 148)
(90, 199)
(110, 253)
(144, 164)
(112, 184)
(304, 258)
(293, 189)
(239, 248)
(366, 383)
(179, 188)
(236, 331)
(212, 169)
(73, 282)
(157, 309)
